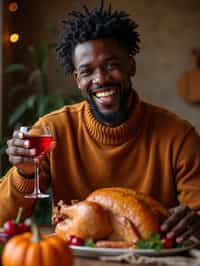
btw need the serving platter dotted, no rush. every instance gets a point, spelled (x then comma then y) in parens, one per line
(92, 252)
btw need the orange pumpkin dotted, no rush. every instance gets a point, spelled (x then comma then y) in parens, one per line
(34, 249)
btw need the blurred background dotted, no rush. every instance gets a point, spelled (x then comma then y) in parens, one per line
(32, 82)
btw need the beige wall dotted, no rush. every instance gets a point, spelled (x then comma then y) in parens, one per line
(169, 30)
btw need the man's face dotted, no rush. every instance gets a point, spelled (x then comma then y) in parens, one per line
(103, 70)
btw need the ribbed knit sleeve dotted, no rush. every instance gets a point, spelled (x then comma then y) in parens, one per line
(188, 170)
(13, 187)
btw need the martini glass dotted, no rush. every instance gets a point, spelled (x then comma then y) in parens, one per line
(40, 139)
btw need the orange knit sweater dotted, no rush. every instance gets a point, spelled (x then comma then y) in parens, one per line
(154, 151)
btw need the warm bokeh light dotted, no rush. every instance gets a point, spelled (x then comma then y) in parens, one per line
(14, 37)
(13, 7)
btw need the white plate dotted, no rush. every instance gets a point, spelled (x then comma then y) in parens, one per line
(98, 252)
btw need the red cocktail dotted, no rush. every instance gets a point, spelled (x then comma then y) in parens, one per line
(40, 143)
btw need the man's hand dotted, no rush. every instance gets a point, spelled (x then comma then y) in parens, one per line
(21, 154)
(182, 223)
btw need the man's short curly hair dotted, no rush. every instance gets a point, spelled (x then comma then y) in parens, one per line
(94, 24)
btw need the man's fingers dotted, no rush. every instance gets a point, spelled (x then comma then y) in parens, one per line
(16, 151)
(176, 216)
(182, 225)
(18, 142)
(192, 230)
(21, 143)
(17, 160)
(18, 134)
(172, 210)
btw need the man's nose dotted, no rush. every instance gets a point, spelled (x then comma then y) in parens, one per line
(100, 77)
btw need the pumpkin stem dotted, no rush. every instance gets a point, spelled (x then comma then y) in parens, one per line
(36, 236)
(19, 214)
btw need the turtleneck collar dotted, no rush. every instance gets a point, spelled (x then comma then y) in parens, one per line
(114, 135)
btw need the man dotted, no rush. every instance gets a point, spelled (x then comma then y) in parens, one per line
(112, 138)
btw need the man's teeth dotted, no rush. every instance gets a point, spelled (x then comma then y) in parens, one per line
(105, 93)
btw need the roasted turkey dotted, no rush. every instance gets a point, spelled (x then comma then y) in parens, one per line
(114, 217)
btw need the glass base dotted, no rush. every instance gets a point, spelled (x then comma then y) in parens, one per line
(37, 196)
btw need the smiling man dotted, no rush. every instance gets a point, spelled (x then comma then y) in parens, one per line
(103, 71)
(112, 138)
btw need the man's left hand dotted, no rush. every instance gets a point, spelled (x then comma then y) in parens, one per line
(181, 224)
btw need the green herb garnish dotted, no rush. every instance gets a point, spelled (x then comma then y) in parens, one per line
(89, 243)
(181, 245)
(154, 242)
(1, 248)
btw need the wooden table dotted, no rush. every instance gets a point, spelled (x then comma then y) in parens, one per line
(180, 260)
(93, 262)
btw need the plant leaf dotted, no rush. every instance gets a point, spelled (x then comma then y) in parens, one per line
(21, 109)
(31, 50)
(49, 103)
(43, 55)
(14, 90)
(52, 46)
(52, 29)
(34, 77)
(3, 145)
(12, 68)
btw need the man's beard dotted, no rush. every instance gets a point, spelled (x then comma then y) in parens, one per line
(116, 117)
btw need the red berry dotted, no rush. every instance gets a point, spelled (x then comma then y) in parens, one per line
(75, 240)
(69, 239)
(22, 228)
(10, 228)
(167, 242)
(3, 237)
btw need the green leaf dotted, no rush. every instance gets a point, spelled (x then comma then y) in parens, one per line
(12, 68)
(89, 243)
(49, 103)
(52, 46)
(14, 90)
(31, 50)
(154, 242)
(52, 29)
(21, 109)
(34, 77)
(1, 248)
(43, 55)
(181, 245)
(3, 145)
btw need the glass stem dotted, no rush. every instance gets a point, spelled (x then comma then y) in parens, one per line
(37, 177)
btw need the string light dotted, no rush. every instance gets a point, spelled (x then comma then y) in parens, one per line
(13, 7)
(14, 37)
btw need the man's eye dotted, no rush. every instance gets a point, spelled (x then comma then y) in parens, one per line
(85, 72)
(111, 66)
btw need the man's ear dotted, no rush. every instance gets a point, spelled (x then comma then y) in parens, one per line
(132, 66)
(75, 76)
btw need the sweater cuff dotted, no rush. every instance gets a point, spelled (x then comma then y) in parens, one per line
(22, 184)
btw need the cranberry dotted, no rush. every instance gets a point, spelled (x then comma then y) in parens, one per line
(22, 228)
(167, 242)
(3, 237)
(75, 240)
(10, 228)
(69, 239)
